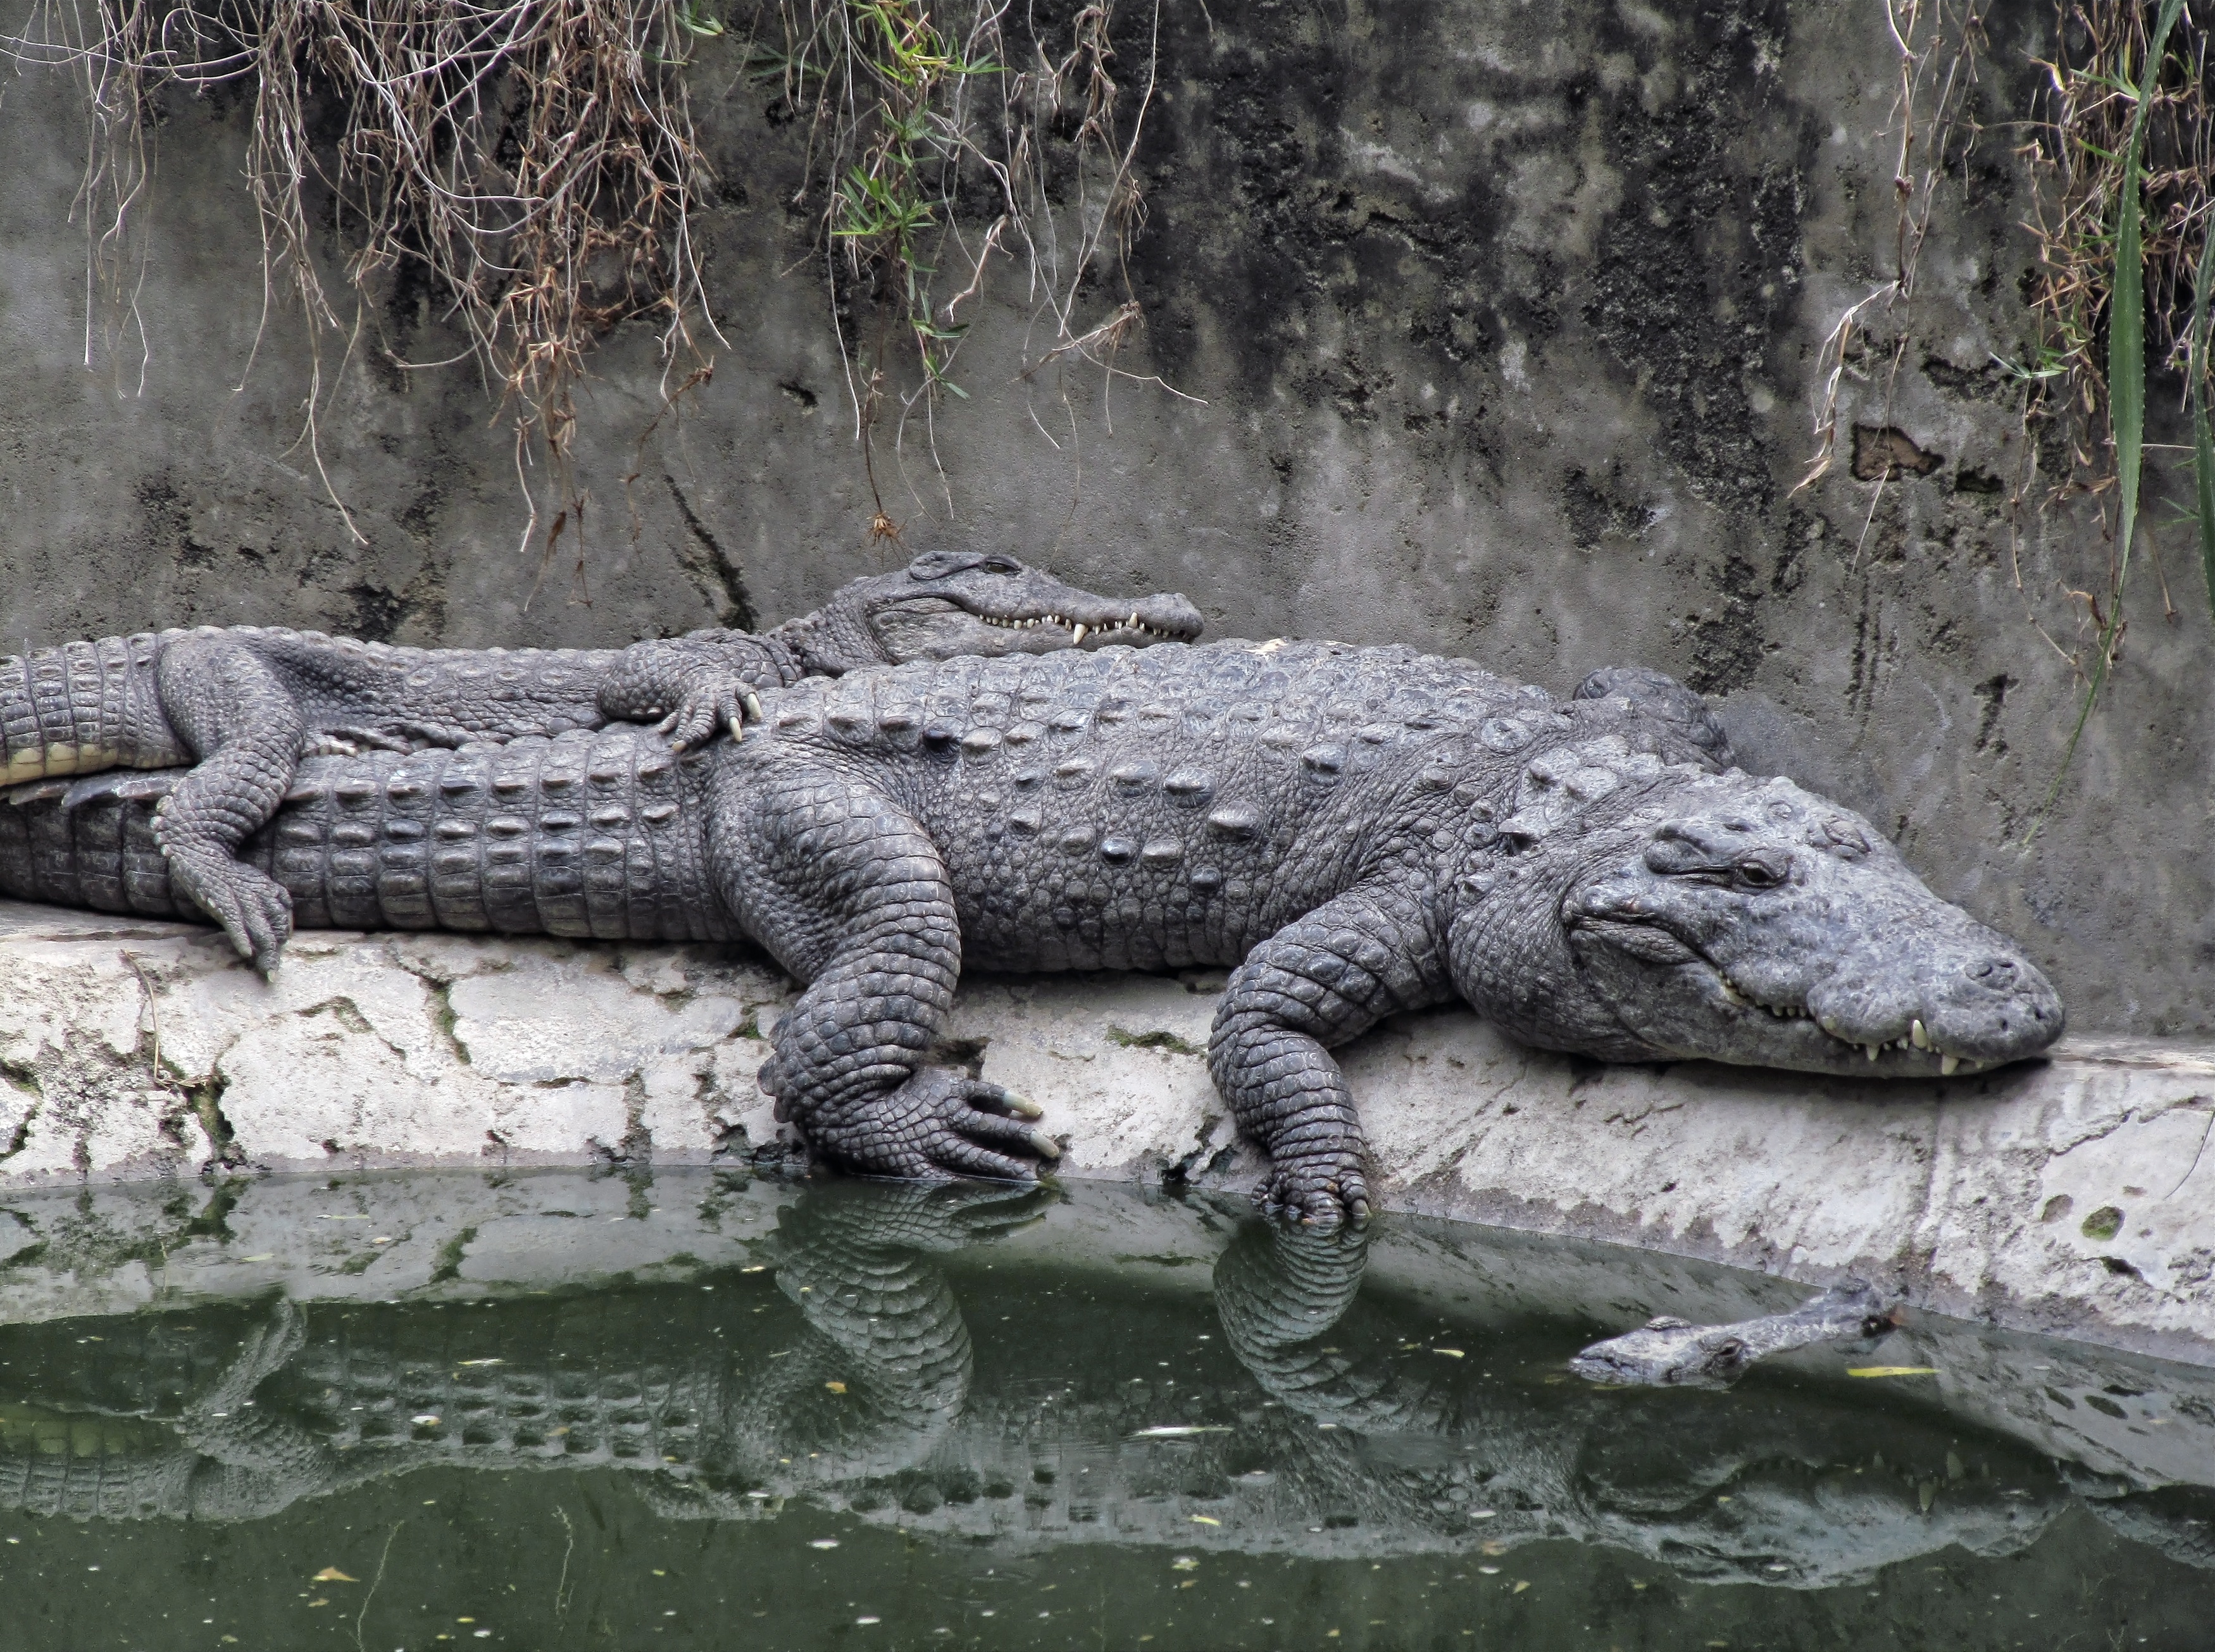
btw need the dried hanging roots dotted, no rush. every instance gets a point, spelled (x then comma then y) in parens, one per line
(535, 158)
(937, 138)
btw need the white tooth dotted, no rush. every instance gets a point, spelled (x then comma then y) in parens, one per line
(1947, 1065)
(1830, 1024)
(1917, 1033)
(1134, 619)
(1872, 1050)
(1731, 996)
(1077, 630)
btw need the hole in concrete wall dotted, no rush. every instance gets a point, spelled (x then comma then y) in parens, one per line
(1886, 452)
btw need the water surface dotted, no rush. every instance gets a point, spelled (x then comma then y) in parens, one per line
(555, 1410)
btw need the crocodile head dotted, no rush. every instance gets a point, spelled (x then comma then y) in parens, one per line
(946, 602)
(1660, 913)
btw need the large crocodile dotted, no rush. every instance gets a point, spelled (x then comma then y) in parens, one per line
(247, 702)
(1321, 1420)
(1359, 831)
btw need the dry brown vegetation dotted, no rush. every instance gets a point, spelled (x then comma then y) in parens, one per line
(535, 158)
(532, 165)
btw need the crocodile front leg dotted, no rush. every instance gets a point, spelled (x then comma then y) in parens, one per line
(1327, 977)
(233, 714)
(848, 892)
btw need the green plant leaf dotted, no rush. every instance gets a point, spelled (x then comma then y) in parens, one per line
(2126, 369)
(2203, 436)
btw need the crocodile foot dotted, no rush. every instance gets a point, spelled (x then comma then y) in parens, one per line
(1319, 1190)
(254, 910)
(940, 1123)
(714, 699)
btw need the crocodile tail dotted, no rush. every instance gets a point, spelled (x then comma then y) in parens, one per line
(90, 843)
(82, 707)
(585, 834)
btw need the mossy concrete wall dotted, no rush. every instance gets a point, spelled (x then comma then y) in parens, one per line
(1503, 323)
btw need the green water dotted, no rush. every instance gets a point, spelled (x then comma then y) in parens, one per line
(885, 1419)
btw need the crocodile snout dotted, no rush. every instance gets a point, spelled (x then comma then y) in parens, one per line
(1992, 1004)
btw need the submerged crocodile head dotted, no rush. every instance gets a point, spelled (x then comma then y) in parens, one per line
(1690, 915)
(946, 602)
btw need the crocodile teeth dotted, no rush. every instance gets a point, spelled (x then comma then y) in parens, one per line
(1873, 1051)
(1949, 1064)
(1919, 1035)
(1731, 994)
(1078, 631)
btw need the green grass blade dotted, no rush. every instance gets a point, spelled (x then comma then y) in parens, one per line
(2126, 382)
(2203, 436)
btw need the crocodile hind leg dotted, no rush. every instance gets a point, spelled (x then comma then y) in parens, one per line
(1316, 982)
(240, 721)
(850, 894)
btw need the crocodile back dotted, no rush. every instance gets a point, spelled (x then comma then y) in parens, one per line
(1170, 806)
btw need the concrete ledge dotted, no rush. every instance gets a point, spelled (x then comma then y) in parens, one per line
(2067, 1196)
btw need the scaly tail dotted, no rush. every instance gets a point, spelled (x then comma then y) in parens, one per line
(82, 707)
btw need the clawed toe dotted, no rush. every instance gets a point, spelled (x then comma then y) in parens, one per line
(1315, 1197)
(255, 912)
(942, 1123)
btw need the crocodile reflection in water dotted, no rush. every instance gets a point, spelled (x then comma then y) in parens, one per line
(1339, 1432)
(156, 1423)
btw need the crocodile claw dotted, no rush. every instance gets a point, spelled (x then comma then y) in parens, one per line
(1318, 1193)
(940, 1123)
(254, 910)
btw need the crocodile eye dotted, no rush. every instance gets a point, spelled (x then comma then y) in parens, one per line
(1764, 869)
(1001, 564)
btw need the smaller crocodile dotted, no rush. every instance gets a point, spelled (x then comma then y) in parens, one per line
(1671, 1353)
(246, 703)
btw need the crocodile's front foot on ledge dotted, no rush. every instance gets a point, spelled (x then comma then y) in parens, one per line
(254, 910)
(940, 1123)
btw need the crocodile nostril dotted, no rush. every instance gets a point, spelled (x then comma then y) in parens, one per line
(1999, 974)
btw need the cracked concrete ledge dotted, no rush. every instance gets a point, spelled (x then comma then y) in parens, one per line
(2066, 1197)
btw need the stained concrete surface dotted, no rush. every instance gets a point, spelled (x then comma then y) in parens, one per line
(1504, 321)
(2067, 1196)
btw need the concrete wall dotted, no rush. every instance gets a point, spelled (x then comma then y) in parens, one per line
(2064, 1195)
(1503, 319)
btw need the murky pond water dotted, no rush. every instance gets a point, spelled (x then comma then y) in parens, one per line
(553, 1411)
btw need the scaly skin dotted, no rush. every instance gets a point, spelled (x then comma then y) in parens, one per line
(1359, 831)
(246, 703)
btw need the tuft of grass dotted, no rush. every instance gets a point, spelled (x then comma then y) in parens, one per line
(940, 138)
(2127, 372)
(2097, 118)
